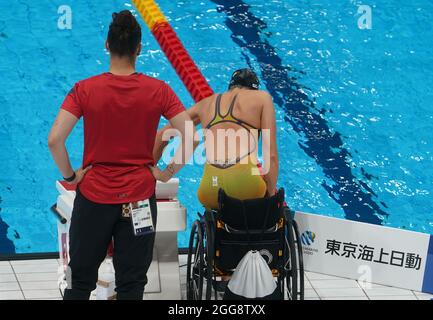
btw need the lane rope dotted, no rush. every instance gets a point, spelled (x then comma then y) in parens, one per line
(174, 50)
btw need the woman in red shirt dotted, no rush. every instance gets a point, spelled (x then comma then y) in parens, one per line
(121, 111)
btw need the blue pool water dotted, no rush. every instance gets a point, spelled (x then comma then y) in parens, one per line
(353, 106)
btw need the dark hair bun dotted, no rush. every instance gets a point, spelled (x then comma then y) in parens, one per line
(125, 21)
(124, 34)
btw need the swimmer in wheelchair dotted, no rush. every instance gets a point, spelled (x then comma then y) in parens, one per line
(243, 209)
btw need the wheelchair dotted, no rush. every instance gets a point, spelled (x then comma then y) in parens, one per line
(220, 238)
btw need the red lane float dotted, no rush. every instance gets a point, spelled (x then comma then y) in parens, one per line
(173, 49)
(181, 61)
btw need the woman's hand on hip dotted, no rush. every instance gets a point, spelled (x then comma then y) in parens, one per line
(79, 174)
(159, 175)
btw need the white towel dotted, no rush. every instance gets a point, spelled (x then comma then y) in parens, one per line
(252, 277)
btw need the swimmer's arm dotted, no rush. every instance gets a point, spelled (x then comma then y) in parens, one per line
(269, 141)
(183, 154)
(161, 142)
(62, 127)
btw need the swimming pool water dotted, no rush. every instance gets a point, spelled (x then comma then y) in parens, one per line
(353, 106)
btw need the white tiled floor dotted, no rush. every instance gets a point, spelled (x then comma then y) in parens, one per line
(29, 279)
(37, 279)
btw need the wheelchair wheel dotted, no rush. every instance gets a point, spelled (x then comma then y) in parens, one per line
(290, 266)
(208, 239)
(196, 263)
(300, 260)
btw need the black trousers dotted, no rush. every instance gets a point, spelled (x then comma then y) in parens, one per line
(93, 225)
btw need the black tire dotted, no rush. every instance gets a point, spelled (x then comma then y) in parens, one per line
(291, 270)
(210, 252)
(195, 265)
(300, 261)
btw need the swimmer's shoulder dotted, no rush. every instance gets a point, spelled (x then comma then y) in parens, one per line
(206, 102)
(262, 94)
(257, 96)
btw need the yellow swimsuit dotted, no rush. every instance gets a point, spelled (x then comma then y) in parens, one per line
(237, 180)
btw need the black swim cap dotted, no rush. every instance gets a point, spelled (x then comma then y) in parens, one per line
(244, 78)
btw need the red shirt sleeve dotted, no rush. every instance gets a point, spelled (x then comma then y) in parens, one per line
(171, 105)
(72, 102)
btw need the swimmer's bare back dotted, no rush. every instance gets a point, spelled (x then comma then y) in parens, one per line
(252, 107)
(239, 111)
(248, 107)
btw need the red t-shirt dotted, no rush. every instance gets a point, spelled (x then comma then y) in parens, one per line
(121, 116)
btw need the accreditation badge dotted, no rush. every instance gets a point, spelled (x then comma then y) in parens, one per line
(141, 217)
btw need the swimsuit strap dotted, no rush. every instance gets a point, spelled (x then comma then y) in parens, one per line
(218, 105)
(228, 117)
(215, 119)
(239, 121)
(230, 111)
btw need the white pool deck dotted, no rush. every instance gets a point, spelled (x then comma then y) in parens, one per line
(37, 280)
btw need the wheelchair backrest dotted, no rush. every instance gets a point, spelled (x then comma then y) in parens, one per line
(252, 214)
(258, 224)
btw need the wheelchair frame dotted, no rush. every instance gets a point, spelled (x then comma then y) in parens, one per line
(201, 255)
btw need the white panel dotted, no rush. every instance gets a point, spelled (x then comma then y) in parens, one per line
(167, 190)
(393, 242)
(171, 219)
